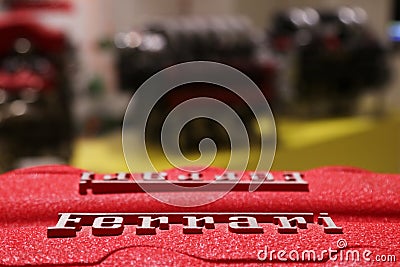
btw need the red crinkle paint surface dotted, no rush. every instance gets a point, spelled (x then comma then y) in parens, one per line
(366, 205)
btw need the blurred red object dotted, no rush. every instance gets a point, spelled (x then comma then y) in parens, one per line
(40, 4)
(16, 25)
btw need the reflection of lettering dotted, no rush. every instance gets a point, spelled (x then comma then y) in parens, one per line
(294, 177)
(190, 176)
(154, 176)
(190, 182)
(261, 176)
(86, 182)
(112, 224)
(227, 176)
(121, 176)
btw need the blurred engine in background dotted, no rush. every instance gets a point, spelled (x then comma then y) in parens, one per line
(332, 58)
(231, 40)
(311, 64)
(319, 67)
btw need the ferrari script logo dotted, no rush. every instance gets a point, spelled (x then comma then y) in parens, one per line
(110, 224)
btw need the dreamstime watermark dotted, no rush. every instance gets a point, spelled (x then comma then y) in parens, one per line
(220, 111)
(340, 253)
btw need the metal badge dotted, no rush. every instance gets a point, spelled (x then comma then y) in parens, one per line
(112, 224)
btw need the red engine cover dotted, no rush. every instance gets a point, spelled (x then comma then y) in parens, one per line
(361, 227)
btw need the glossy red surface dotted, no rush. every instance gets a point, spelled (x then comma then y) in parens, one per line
(365, 204)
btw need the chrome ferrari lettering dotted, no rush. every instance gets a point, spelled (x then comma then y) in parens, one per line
(244, 225)
(148, 225)
(289, 226)
(67, 226)
(195, 225)
(107, 226)
(112, 224)
(329, 226)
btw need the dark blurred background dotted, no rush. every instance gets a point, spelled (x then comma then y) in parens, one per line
(328, 69)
